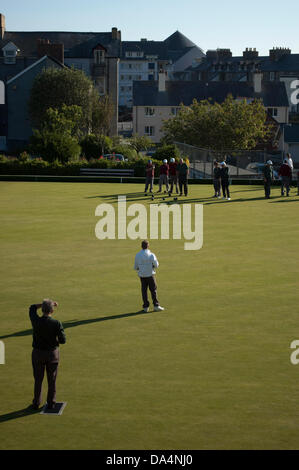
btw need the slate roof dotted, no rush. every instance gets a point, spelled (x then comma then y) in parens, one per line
(173, 47)
(177, 41)
(287, 63)
(7, 71)
(81, 43)
(291, 133)
(177, 92)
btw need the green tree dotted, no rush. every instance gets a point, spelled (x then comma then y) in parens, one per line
(140, 142)
(57, 139)
(54, 87)
(230, 125)
(102, 113)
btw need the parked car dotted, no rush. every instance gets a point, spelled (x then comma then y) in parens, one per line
(114, 156)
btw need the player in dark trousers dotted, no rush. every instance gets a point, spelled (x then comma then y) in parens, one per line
(145, 264)
(268, 178)
(149, 176)
(216, 179)
(224, 175)
(173, 177)
(47, 335)
(285, 173)
(183, 173)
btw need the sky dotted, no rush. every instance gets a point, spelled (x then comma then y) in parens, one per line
(232, 24)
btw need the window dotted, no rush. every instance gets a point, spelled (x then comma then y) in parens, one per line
(149, 130)
(99, 56)
(273, 112)
(272, 76)
(151, 65)
(122, 77)
(149, 111)
(151, 77)
(174, 111)
(10, 52)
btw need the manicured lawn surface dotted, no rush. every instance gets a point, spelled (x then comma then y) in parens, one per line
(212, 371)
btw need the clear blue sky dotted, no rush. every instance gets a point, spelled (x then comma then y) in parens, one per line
(209, 24)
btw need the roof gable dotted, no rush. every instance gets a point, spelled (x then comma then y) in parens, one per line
(42, 59)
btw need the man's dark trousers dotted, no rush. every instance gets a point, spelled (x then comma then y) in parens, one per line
(267, 186)
(45, 360)
(149, 282)
(183, 182)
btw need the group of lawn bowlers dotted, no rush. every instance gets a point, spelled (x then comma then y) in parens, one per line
(176, 174)
(285, 173)
(170, 174)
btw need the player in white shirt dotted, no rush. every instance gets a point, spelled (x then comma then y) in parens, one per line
(145, 264)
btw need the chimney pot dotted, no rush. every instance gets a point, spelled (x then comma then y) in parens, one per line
(2, 26)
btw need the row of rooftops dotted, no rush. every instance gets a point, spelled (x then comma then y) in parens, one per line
(81, 45)
(146, 93)
(279, 59)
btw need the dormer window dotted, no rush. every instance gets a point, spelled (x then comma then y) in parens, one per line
(99, 55)
(10, 52)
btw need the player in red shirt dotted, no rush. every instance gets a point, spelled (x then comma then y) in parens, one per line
(164, 171)
(285, 173)
(149, 176)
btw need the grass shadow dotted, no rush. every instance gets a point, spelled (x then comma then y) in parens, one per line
(286, 200)
(115, 196)
(73, 323)
(18, 414)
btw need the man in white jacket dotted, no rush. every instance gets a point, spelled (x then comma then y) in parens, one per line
(145, 264)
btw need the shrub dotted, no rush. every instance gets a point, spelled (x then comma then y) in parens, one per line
(95, 145)
(53, 146)
(167, 151)
(127, 151)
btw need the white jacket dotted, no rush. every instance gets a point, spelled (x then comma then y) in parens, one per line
(145, 263)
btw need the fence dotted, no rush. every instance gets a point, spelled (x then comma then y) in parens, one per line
(246, 164)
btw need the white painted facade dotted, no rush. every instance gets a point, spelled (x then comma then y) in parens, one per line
(149, 120)
(131, 70)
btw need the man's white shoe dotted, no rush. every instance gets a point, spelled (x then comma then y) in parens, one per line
(228, 198)
(158, 308)
(146, 310)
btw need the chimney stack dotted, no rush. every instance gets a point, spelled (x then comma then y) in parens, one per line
(2, 25)
(114, 33)
(162, 81)
(257, 82)
(277, 52)
(250, 53)
(56, 51)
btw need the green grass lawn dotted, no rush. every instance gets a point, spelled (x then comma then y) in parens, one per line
(212, 371)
